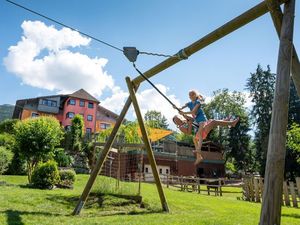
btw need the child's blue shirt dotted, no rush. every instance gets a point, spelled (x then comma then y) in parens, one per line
(199, 116)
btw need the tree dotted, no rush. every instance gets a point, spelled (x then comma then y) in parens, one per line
(36, 138)
(235, 140)
(155, 119)
(77, 128)
(294, 105)
(293, 153)
(261, 86)
(127, 133)
(292, 159)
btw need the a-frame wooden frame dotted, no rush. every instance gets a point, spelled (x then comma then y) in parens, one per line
(287, 62)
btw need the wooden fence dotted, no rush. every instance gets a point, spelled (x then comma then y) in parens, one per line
(253, 189)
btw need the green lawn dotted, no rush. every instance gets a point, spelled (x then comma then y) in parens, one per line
(22, 205)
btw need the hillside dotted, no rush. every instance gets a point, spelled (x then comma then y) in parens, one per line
(6, 111)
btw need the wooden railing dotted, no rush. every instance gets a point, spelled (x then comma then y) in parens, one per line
(195, 184)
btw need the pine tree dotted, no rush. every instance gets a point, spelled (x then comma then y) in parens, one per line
(261, 86)
(292, 161)
(155, 119)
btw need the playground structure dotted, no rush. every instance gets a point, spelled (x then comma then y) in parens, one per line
(288, 63)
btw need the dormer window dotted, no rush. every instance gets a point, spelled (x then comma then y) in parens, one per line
(50, 103)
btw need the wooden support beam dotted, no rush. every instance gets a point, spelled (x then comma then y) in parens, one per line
(101, 159)
(215, 35)
(277, 15)
(147, 145)
(272, 196)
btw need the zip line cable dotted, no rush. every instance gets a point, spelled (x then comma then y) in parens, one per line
(163, 95)
(130, 52)
(82, 33)
(64, 25)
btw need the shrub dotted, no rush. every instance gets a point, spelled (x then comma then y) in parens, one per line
(7, 140)
(67, 178)
(8, 125)
(5, 159)
(45, 175)
(62, 159)
(36, 139)
(17, 165)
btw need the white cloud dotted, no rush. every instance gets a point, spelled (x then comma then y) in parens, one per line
(248, 99)
(116, 102)
(42, 58)
(148, 99)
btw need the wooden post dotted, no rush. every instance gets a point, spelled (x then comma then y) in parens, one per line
(256, 190)
(286, 194)
(277, 16)
(293, 194)
(167, 180)
(181, 184)
(246, 188)
(101, 159)
(119, 167)
(261, 186)
(220, 186)
(147, 145)
(251, 189)
(298, 185)
(272, 196)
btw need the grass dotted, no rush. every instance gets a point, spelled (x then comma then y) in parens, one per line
(22, 205)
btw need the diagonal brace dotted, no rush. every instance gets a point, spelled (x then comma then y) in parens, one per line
(147, 145)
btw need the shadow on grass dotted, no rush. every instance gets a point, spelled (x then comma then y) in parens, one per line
(14, 216)
(108, 204)
(294, 215)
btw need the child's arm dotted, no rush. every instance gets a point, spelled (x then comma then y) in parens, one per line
(183, 106)
(193, 112)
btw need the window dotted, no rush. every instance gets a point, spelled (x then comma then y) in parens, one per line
(89, 117)
(70, 115)
(167, 171)
(33, 115)
(160, 171)
(71, 102)
(146, 169)
(53, 103)
(49, 103)
(81, 103)
(104, 125)
(88, 130)
(44, 102)
(91, 105)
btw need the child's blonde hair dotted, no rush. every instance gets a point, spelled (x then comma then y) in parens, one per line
(199, 96)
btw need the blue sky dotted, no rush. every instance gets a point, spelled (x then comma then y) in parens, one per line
(153, 26)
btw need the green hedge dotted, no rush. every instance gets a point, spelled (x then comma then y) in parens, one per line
(45, 175)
